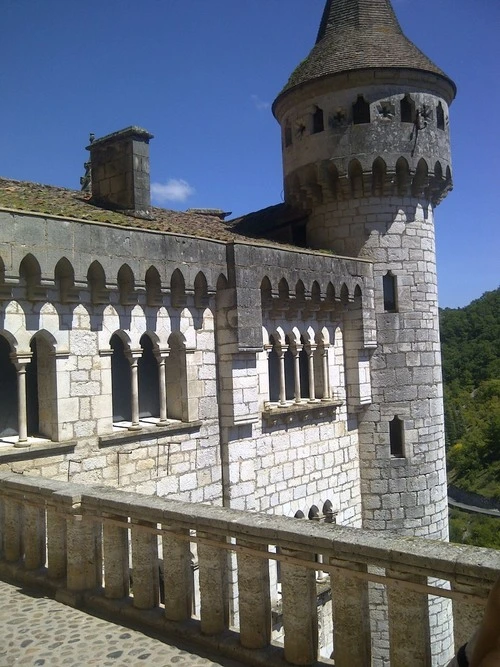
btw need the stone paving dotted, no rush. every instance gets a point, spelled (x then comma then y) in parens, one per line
(37, 630)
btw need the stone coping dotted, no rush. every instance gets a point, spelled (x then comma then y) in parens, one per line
(36, 451)
(347, 545)
(299, 412)
(147, 432)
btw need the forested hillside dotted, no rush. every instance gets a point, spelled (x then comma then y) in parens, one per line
(470, 339)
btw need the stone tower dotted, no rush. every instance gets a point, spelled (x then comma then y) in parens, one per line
(366, 154)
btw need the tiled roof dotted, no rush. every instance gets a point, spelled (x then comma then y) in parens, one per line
(51, 200)
(359, 34)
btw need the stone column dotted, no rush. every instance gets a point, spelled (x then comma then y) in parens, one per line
(145, 569)
(214, 608)
(161, 358)
(56, 543)
(281, 357)
(254, 598)
(296, 373)
(133, 358)
(312, 389)
(177, 578)
(22, 415)
(326, 374)
(115, 555)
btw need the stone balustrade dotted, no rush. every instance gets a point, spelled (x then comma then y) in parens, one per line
(107, 550)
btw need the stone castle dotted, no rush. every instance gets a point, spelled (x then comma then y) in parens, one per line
(284, 362)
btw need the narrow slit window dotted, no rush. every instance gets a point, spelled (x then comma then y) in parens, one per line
(288, 135)
(407, 110)
(390, 293)
(318, 121)
(440, 117)
(396, 437)
(360, 111)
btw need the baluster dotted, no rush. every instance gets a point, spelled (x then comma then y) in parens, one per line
(82, 553)
(115, 550)
(214, 608)
(466, 615)
(33, 532)
(300, 614)
(254, 598)
(351, 616)
(177, 578)
(409, 632)
(12, 530)
(56, 543)
(145, 573)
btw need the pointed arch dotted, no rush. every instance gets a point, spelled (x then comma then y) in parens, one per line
(402, 176)
(64, 276)
(176, 372)
(8, 389)
(420, 180)
(300, 293)
(316, 293)
(396, 437)
(344, 294)
(438, 170)
(283, 290)
(200, 290)
(30, 277)
(177, 289)
(379, 174)
(120, 378)
(149, 389)
(355, 172)
(153, 287)
(41, 386)
(96, 280)
(126, 285)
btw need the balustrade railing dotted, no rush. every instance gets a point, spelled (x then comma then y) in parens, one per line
(132, 554)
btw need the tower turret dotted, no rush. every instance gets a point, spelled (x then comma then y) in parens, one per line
(366, 154)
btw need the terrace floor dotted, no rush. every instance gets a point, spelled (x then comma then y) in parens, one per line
(37, 630)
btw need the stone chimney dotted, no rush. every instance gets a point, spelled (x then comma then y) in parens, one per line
(119, 165)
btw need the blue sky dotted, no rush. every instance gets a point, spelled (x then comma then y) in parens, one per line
(201, 75)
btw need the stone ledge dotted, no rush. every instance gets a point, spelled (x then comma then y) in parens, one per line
(38, 451)
(300, 412)
(147, 433)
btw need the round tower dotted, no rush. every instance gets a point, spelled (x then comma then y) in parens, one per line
(366, 154)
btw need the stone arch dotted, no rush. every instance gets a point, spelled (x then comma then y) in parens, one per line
(379, 174)
(149, 389)
(177, 289)
(176, 377)
(64, 276)
(8, 386)
(266, 293)
(358, 293)
(344, 294)
(438, 170)
(283, 290)
(200, 290)
(41, 386)
(96, 280)
(420, 180)
(316, 293)
(300, 293)
(121, 377)
(153, 287)
(355, 172)
(402, 176)
(30, 276)
(126, 285)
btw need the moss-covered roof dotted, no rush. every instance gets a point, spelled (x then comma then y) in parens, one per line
(359, 34)
(51, 200)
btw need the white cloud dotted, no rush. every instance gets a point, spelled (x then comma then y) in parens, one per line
(175, 189)
(259, 104)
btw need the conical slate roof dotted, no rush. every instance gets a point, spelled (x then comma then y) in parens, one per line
(359, 34)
